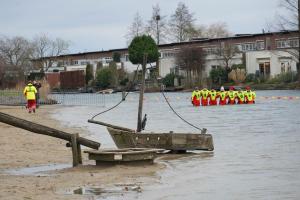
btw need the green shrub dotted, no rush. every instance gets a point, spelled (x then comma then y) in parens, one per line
(250, 78)
(124, 81)
(104, 78)
(168, 81)
(287, 77)
(218, 75)
(88, 73)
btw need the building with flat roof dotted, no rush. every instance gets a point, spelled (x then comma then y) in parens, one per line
(265, 54)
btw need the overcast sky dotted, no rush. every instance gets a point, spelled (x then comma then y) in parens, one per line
(93, 25)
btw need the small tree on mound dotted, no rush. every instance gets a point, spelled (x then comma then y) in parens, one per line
(140, 46)
(142, 50)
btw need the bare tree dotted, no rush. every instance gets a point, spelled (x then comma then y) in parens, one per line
(136, 28)
(47, 50)
(192, 60)
(289, 20)
(216, 30)
(226, 52)
(15, 51)
(157, 25)
(181, 23)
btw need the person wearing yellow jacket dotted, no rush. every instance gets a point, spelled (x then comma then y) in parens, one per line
(213, 95)
(241, 96)
(231, 95)
(30, 94)
(250, 96)
(223, 96)
(196, 97)
(204, 96)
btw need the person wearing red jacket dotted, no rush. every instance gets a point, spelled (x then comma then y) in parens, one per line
(196, 97)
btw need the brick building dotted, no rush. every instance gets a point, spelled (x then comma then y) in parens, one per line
(266, 54)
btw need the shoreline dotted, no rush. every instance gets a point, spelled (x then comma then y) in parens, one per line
(23, 149)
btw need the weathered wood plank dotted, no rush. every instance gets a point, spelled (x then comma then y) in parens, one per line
(44, 130)
(110, 125)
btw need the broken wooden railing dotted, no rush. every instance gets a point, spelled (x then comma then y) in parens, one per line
(74, 140)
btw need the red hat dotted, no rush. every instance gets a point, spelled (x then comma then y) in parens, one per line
(248, 88)
(231, 88)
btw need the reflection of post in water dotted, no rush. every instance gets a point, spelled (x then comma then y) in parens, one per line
(142, 89)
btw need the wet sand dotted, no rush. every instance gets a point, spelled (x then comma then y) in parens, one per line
(22, 149)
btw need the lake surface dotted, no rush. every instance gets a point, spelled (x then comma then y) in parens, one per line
(257, 147)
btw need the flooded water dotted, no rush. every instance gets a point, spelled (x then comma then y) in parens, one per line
(257, 147)
(42, 170)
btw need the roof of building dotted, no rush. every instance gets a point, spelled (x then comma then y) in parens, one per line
(193, 41)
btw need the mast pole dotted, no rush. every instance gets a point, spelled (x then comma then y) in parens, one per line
(142, 89)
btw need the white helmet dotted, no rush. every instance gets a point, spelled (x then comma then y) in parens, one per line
(222, 88)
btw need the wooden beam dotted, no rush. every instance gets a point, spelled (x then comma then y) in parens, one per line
(44, 130)
(110, 125)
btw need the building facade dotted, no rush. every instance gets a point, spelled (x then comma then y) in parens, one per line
(265, 54)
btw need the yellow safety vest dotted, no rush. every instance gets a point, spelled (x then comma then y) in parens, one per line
(231, 95)
(223, 95)
(250, 96)
(29, 92)
(241, 96)
(204, 94)
(213, 95)
(196, 93)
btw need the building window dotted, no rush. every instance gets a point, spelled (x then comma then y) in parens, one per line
(294, 42)
(126, 57)
(75, 62)
(238, 47)
(260, 45)
(248, 47)
(264, 69)
(285, 67)
(84, 63)
(282, 44)
(211, 51)
(282, 67)
(168, 55)
(215, 67)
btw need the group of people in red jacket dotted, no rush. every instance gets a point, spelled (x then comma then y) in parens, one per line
(212, 97)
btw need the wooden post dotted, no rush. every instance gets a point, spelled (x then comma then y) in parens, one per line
(123, 95)
(79, 151)
(74, 149)
(142, 89)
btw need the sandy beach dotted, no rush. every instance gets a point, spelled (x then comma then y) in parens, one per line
(22, 149)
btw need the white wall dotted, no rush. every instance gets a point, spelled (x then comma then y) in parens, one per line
(165, 65)
(76, 67)
(275, 57)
